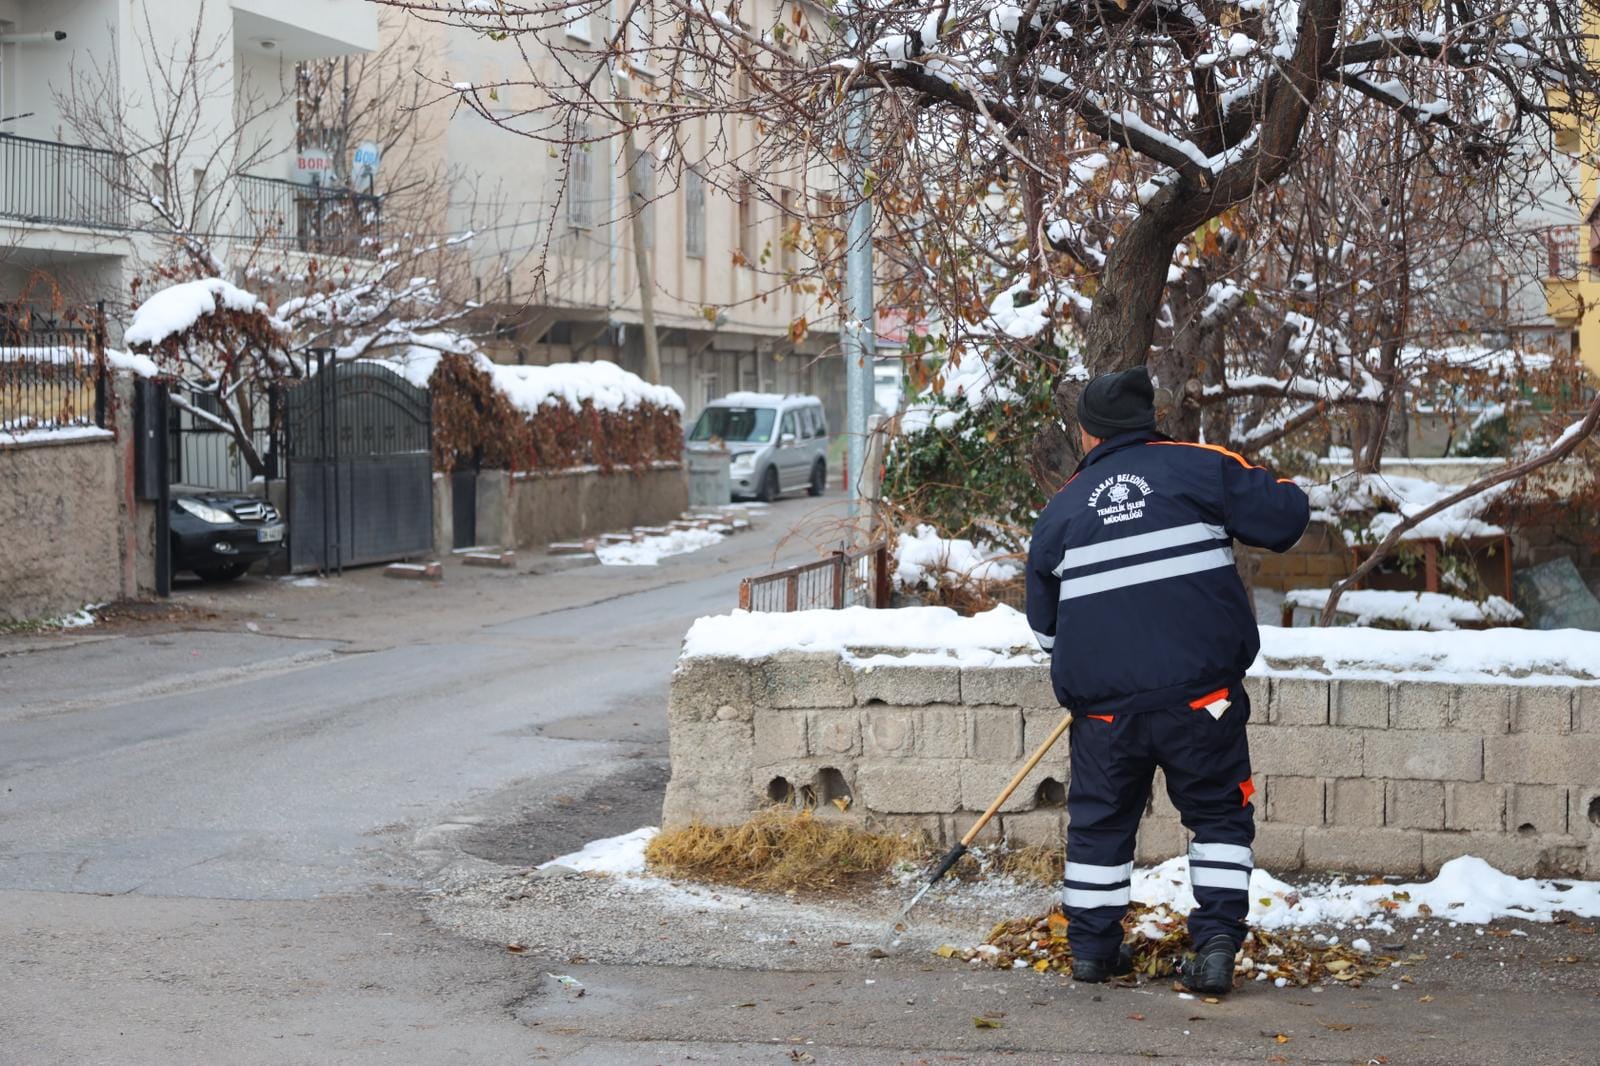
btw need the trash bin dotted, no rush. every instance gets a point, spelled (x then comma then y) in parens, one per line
(710, 483)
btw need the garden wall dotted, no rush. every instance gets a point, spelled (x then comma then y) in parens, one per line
(1351, 774)
(532, 509)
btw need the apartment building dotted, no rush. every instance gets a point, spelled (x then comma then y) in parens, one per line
(78, 221)
(557, 266)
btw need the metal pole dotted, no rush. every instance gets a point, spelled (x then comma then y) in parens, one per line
(858, 340)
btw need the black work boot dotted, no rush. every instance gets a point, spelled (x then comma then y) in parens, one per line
(1098, 971)
(1210, 968)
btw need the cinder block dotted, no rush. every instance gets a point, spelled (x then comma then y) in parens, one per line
(1160, 803)
(1378, 851)
(996, 733)
(1300, 750)
(1419, 705)
(834, 732)
(804, 679)
(429, 571)
(1037, 724)
(1583, 813)
(1279, 848)
(701, 686)
(1007, 686)
(909, 786)
(1160, 839)
(1474, 805)
(888, 731)
(981, 782)
(1537, 809)
(942, 732)
(1423, 755)
(1355, 801)
(928, 826)
(1541, 709)
(1299, 701)
(1045, 828)
(1364, 704)
(502, 560)
(1542, 759)
(779, 736)
(1294, 800)
(1258, 690)
(1519, 856)
(708, 800)
(907, 686)
(1586, 710)
(1415, 804)
(1480, 709)
(957, 825)
(699, 745)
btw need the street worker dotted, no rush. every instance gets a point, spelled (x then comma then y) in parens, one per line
(1132, 590)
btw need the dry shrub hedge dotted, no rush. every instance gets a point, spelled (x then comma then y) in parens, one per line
(474, 422)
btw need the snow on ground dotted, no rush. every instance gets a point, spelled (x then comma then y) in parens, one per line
(651, 550)
(174, 309)
(79, 619)
(924, 559)
(1413, 610)
(612, 855)
(1467, 890)
(1001, 637)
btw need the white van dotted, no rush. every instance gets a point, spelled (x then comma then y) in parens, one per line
(779, 443)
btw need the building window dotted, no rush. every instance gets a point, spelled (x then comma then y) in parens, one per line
(749, 235)
(788, 231)
(694, 214)
(580, 179)
(828, 224)
(578, 28)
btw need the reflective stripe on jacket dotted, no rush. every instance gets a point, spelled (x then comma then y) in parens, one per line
(1131, 579)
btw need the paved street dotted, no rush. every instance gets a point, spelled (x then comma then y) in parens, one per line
(281, 829)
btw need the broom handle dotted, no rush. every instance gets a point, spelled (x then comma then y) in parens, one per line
(1027, 768)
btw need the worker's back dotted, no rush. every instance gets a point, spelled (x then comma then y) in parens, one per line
(1131, 578)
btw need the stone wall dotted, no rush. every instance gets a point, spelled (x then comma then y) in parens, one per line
(530, 510)
(1318, 561)
(1354, 775)
(59, 527)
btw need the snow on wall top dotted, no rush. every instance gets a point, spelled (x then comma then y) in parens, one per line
(66, 355)
(1002, 637)
(171, 310)
(604, 384)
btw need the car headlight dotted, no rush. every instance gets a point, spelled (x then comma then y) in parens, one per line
(206, 513)
(744, 461)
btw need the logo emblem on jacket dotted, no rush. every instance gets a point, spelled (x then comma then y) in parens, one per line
(1114, 499)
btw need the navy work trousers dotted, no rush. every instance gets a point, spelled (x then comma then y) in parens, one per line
(1206, 761)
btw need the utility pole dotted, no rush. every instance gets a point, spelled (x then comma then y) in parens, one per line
(642, 255)
(858, 340)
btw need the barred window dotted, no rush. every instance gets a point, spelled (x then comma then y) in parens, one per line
(694, 214)
(581, 185)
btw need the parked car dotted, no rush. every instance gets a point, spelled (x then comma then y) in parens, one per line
(778, 444)
(220, 535)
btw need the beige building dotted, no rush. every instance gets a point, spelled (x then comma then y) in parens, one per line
(553, 266)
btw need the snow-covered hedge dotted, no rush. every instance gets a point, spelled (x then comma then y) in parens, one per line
(558, 417)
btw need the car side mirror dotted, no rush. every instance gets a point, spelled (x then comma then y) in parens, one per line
(786, 440)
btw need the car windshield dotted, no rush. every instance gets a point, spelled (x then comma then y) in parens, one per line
(735, 424)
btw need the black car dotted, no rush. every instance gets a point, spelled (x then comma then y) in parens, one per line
(219, 535)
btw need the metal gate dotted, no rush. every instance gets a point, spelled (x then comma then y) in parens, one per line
(358, 440)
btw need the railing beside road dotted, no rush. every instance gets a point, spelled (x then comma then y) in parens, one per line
(843, 579)
(52, 373)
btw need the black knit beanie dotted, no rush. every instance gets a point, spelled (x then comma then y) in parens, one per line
(1118, 403)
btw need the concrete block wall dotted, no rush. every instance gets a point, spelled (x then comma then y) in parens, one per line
(1316, 562)
(1357, 775)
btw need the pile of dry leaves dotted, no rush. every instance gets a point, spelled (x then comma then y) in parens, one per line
(1160, 937)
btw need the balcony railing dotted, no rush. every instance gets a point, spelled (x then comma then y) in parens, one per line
(43, 181)
(1561, 245)
(310, 218)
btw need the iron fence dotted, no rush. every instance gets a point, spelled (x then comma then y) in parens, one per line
(44, 181)
(203, 455)
(52, 373)
(312, 218)
(844, 579)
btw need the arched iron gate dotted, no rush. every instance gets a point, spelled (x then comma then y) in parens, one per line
(358, 443)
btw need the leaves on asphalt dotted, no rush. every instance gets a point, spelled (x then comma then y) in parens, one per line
(980, 1022)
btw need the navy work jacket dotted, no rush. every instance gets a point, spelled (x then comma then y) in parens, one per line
(1131, 581)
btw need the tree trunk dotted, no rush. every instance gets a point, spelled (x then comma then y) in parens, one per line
(1123, 319)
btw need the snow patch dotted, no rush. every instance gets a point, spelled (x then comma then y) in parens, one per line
(176, 308)
(651, 550)
(1413, 610)
(924, 559)
(613, 855)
